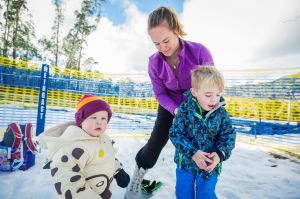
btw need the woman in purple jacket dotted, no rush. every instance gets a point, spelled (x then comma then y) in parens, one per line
(170, 73)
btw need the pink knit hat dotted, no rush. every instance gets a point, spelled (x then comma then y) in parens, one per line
(89, 104)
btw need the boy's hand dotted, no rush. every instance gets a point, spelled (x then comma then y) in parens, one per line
(175, 111)
(215, 160)
(202, 158)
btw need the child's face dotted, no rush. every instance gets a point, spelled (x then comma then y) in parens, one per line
(95, 124)
(207, 96)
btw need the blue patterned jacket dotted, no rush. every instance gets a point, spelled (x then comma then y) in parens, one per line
(191, 132)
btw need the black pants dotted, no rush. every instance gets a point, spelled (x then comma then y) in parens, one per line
(148, 155)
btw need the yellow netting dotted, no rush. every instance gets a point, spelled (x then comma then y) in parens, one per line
(242, 107)
(252, 108)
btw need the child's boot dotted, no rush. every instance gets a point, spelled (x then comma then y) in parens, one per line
(133, 190)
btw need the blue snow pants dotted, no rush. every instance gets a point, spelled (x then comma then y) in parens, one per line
(189, 185)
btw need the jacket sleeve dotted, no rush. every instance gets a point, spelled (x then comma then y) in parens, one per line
(226, 136)
(160, 91)
(118, 164)
(66, 172)
(205, 57)
(180, 137)
(120, 175)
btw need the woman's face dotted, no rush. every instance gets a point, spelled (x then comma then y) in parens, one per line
(165, 40)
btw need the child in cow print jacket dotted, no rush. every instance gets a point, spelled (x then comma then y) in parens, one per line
(81, 155)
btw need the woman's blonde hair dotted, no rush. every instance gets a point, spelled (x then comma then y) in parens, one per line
(165, 15)
(207, 76)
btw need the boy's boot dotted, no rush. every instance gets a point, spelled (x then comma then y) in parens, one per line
(133, 190)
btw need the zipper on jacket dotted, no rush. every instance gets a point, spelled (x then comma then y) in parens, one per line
(219, 167)
(198, 115)
(209, 113)
(180, 160)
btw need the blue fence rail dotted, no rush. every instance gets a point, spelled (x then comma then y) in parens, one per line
(282, 88)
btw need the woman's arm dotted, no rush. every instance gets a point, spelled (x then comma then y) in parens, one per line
(205, 57)
(160, 91)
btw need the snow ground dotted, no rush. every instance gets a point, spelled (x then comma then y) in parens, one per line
(251, 172)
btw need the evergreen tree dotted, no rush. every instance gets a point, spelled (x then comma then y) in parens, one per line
(87, 20)
(53, 45)
(17, 8)
(17, 31)
(89, 63)
(1, 26)
(7, 26)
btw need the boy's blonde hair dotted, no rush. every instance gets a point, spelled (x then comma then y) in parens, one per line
(207, 76)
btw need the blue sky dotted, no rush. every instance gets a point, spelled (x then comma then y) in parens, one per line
(114, 9)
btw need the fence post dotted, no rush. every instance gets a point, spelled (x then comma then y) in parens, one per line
(41, 116)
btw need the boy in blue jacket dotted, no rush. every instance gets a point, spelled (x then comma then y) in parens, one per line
(203, 136)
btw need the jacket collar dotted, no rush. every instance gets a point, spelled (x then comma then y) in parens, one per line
(194, 106)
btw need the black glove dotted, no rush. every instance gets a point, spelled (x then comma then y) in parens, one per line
(122, 178)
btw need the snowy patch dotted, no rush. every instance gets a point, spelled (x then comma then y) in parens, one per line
(249, 173)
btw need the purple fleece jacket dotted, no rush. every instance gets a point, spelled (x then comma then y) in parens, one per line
(169, 87)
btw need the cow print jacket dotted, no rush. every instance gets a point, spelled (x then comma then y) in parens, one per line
(81, 166)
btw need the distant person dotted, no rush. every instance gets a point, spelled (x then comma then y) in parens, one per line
(81, 155)
(170, 73)
(203, 136)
